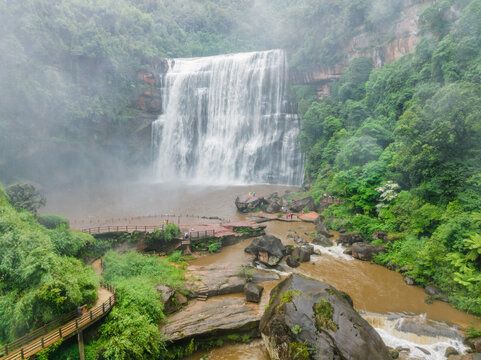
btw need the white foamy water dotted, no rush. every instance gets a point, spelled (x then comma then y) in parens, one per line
(225, 121)
(336, 251)
(415, 336)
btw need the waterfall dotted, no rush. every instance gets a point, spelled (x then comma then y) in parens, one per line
(225, 121)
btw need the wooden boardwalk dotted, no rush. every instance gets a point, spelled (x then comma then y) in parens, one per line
(144, 228)
(62, 328)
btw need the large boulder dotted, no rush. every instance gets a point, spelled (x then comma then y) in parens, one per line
(246, 203)
(292, 261)
(274, 203)
(381, 235)
(253, 292)
(474, 343)
(435, 293)
(302, 253)
(363, 251)
(350, 238)
(273, 208)
(301, 204)
(321, 240)
(322, 229)
(309, 319)
(172, 300)
(299, 241)
(267, 249)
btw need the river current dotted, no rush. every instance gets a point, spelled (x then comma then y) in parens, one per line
(396, 310)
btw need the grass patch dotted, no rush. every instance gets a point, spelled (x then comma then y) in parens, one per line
(323, 312)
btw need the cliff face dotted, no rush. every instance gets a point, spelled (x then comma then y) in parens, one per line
(405, 36)
(148, 104)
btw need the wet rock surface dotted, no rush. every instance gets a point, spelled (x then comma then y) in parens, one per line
(474, 343)
(350, 238)
(306, 203)
(322, 229)
(292, 261)
(246, 203)
(381, 235)
(321, 240)
(465, 357)
(303, 253)
(223, 280)
(311, 317)
(450, 351)
(274, 203)
(435, 293)
(253, 292)
(267, 249)
(171, 299)
(363, 251)
(221, 315)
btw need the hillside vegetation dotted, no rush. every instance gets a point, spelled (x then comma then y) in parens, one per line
(402, 146)
(40, 279)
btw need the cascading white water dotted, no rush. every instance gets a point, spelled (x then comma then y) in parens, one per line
(415, 336)
(225, 121)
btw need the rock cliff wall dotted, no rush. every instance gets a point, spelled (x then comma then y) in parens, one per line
(381, 48)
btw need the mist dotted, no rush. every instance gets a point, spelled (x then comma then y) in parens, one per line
(69, 84)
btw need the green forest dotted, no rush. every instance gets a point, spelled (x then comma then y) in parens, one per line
(69, 74)
(402, 146)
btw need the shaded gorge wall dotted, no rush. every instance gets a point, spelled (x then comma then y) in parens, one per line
(225, 120)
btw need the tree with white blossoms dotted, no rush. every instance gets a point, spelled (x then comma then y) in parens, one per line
(388, 192)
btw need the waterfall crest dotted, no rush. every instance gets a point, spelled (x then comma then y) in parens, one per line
(225, 121)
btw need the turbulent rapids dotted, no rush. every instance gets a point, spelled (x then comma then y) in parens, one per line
(225, 120)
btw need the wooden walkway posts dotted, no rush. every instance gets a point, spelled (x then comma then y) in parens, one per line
(62, 328)
(81, 345)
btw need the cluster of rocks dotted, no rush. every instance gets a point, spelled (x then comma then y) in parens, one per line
(269, 250)
(358, 248)
(275, 203)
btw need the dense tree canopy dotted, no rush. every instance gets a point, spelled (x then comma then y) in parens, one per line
(38, 280)
(411, 130)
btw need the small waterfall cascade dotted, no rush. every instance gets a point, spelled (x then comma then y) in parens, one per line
(225, 121)
(415, 336)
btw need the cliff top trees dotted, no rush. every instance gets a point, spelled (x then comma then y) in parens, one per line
(25, 197)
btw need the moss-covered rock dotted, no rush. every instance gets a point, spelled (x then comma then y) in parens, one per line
(309, 319)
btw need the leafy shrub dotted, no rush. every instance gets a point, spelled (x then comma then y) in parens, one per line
(72, 243)
(161, 238)
(25, 197)
(52, 221)
(176, 257)
(131, 330)
(215, 246)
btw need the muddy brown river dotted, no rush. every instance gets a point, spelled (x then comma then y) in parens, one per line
(396, 310)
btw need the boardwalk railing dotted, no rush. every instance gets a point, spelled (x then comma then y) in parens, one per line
(131, 228)
(331, 200)
(201, 234)
(62, 328)
(128, 228)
